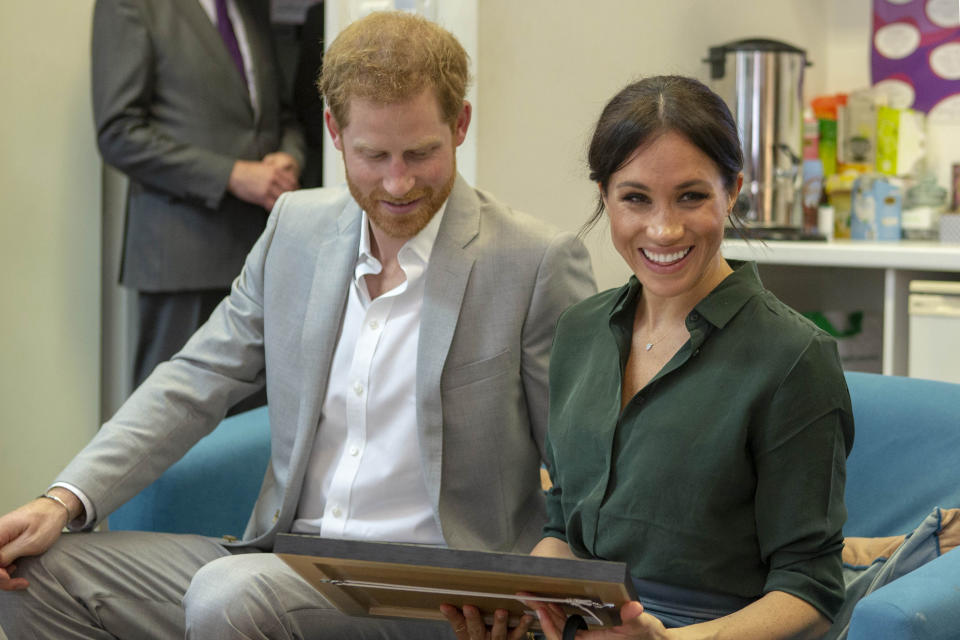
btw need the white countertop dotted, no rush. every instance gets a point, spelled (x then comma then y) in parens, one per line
(918, 255)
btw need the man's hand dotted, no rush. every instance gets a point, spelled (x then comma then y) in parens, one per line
(468, 624)
(262, 182)
(283, 161)
(31, 530)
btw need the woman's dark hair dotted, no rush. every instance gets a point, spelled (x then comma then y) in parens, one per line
(656, 105)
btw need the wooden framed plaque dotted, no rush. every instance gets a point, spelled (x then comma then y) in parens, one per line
(412, 581)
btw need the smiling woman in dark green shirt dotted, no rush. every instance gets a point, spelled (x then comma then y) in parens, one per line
(699, 427)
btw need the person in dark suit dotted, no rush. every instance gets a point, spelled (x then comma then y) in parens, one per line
(196, 120)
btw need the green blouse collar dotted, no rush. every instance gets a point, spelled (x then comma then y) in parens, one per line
(720, 305)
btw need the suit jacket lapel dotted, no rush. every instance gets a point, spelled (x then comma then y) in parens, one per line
(447, 276)
(336, 258)
(259, 50)
(194, 15)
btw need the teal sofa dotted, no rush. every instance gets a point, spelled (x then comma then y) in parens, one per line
(905, 462)
(212, 489)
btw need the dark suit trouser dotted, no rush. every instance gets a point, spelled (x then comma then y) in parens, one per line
(154, 586)
(166, 320)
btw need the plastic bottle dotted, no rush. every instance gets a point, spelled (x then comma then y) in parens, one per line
(825, 111)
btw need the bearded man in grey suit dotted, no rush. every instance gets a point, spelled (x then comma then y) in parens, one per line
(403, 326)
(197, 121)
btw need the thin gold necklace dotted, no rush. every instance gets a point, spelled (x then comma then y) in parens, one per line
(649, 345)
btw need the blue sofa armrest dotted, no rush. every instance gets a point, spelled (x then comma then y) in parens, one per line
(920, 605)
(212, 489)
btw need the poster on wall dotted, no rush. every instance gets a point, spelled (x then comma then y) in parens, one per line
(915, 57)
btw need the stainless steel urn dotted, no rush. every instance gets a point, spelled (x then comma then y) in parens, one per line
(762, 83)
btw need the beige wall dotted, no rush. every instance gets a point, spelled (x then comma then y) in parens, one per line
(548, 66)
(848, 47)
(49, 234)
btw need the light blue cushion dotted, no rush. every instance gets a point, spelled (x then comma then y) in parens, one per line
(212, 489)
(905, 453)
(924, 604)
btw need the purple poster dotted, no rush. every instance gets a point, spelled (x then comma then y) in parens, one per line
(915, 58)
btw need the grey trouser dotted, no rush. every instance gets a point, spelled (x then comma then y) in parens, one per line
(166, 320)
(136, 586)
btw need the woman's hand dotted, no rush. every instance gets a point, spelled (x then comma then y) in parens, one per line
(635, 623)
(469, 625)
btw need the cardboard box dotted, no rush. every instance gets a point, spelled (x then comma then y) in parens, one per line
(876, 209)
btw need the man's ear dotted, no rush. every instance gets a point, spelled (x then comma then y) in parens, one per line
(462, 124)
(334, 129)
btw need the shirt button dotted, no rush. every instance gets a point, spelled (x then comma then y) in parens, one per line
(358, 388)
(694, 316)
(336, 512)
(354, 450)
(374, 325)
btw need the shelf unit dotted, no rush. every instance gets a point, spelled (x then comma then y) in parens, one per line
(846, 275)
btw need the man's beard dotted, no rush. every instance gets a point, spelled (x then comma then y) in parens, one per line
(406, 225)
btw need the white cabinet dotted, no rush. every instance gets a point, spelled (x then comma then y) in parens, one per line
(935, 330)
(853, 275)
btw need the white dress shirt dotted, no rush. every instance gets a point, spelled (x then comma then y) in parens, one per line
(365, 477)
(240, 30)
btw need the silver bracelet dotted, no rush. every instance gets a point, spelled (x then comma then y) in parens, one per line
(60, 502)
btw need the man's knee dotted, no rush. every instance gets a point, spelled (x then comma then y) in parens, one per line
(115, 584)
(51, 568)
(259, 595)
(27, 613)
(250, 592)
(213, 587)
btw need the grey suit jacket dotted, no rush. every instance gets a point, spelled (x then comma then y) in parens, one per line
(172, 112)
(496, 283)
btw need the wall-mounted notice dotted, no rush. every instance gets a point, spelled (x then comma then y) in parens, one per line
(915, 58)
